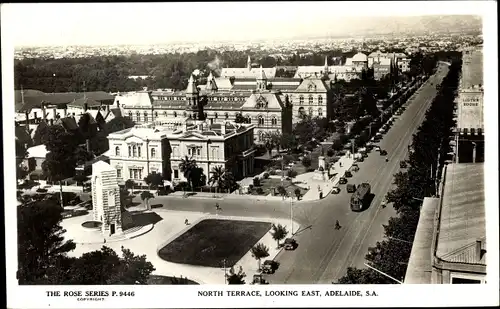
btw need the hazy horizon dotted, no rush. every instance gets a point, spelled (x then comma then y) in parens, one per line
(105, 24)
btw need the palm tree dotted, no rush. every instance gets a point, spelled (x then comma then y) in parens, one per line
(260, 251)
(146, 196)
(218, 174)
(187, 167)
(298, 193)
(228, 182)
(129, 184)
(235, 277)
(279, 232)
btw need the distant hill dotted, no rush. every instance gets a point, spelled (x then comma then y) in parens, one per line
(416, 24)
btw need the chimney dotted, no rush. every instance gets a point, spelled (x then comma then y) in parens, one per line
(478, 250)
(54, 112)
(51, 122)
(118, 103)
(87, 143)
(44, 116)
(27, 114)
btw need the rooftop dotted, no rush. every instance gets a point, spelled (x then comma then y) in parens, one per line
(462, 213)
(420, 264)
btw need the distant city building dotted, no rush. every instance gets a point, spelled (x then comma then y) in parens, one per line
(450, 241)
(139, 151)
(247, 72)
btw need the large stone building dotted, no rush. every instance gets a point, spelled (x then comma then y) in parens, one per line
(270, 110)
(144, 149)
(247, 72)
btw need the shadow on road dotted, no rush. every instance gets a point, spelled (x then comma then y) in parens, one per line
(368, 202)
(302, 230)
(156, 206)
(142, 219)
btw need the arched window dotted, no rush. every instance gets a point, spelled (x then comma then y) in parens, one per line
(249, 119)
(227, 115)
(320, 112)
(175, 114)
(274, 121)
(156, 114)
(145, 116)
(129, 151)
(301, 100)
(261, 121)
(138, 114)
(310, 111)
(216, 116)
(320, 100)
(134, 151)
(130, 115)
(153, 153)
(139, 151)
(117, 151)
(311, 100)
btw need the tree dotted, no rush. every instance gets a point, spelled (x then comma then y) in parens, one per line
(298, 193)
(60, 161)
(391, 257)
(40, 241)
(282, 191)
(306, 161)
(279, 232)
(146, 196)
(129, 184)
(22, 171)
(187, 166)
(235, 277)
(154, 180)
(288, 141)
(363, 276)
(104, 267)
(292, 173)
(41, 132)
(118, 124)
(229, 182)
(260, 251)
(217, 176)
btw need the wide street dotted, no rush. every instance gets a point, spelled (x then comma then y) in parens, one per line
(324, 253)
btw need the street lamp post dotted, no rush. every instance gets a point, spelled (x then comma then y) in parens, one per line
(392, 278)
(291, 213)
(225, 274)
(352, 142)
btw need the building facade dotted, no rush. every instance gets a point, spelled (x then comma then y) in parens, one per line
(269, 110)
(145, 149)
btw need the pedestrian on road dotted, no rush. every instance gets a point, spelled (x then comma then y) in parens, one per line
(337, 225)
(340, 163)
(186, 222)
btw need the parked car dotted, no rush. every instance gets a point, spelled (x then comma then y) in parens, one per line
(290, 244)
(343, 180)
(354, 167)
(351, 188)
(348, 174)
(258, 279)
(383, 152)
(336, 190)
(376, 148)
(269, 266)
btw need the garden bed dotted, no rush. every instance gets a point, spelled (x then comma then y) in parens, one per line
(267, 185)
(211, 241)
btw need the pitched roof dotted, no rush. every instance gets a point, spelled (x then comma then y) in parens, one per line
(223, 83)
(313, 84)
(263, 100)
(360, 57)
(69, 123)
(463, 210)
(246, 73)
(23, 135)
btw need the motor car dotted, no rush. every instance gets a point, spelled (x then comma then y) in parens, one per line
(258, 279)
(336, 190)
(348, 174)
(342, 180)
(290, 244)
(360, 159)
(376, 148)
(383, 152)
(351, 188)
(269, 266)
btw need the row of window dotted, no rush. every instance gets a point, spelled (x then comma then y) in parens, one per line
(311, 100)
(311, 111)
(260, 119)
(134, 152)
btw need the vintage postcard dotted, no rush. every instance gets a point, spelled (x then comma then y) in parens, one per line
(248, 154)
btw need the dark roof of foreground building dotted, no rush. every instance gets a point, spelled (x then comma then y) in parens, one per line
(34, 98)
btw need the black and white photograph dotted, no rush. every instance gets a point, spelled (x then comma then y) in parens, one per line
(262, 153)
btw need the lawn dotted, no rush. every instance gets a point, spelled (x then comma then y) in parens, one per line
(156, 279)
(267, 186)
(211, 241)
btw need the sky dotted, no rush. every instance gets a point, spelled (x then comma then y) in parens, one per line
(35, 24)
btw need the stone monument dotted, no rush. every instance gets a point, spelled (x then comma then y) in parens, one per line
(319, 174)
(106, 199)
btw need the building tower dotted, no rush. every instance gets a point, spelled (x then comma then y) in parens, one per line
(211, 85)
(325, 69)
(192, 93)
(249, 63)
(261, 80)
(106, 198)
